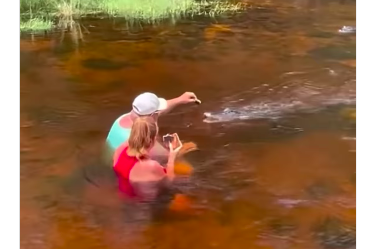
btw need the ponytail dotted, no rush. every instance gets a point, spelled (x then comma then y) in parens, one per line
(142, 137)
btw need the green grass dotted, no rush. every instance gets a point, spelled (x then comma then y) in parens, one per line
(143, 10)
(35, 24)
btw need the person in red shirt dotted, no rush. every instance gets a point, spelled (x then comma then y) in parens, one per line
(144, 105)
(138, 175)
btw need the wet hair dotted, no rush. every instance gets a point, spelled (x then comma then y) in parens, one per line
(143, 133)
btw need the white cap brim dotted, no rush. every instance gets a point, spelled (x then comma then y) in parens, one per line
(162, 104)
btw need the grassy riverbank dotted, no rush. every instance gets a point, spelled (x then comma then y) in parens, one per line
(40, 14)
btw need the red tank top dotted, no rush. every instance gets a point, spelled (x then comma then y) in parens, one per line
(123, 168)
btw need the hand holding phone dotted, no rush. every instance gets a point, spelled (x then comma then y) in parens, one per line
(168, 139)
(173, 142)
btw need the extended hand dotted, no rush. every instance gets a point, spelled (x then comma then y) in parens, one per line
(188, 97)
(176, 145)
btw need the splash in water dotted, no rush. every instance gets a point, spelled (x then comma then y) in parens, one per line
(347, 30)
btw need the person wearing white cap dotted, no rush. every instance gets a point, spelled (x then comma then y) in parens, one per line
(145, 104)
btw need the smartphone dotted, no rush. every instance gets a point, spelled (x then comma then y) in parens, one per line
(173, 140)
(168, 138)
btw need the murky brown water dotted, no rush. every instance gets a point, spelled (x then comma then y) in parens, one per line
(258, 183)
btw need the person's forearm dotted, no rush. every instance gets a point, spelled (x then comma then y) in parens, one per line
(171, 104)
(170, 168)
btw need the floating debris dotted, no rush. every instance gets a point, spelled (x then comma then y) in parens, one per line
(347, 30)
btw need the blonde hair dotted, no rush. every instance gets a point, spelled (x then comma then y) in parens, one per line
(143, 133)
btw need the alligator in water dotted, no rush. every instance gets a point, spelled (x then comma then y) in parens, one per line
(226, 115)
(294, 95)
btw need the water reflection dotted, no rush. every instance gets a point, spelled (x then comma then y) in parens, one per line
(288, 182)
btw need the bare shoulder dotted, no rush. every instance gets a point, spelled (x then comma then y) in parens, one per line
(125, 121)
(153, 164)
(155, 167)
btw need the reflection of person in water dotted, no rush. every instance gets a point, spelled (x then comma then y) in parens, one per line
(139, 176)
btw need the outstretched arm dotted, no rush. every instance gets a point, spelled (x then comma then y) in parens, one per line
(186, 98)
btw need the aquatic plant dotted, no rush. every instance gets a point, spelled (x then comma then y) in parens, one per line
(35, 24)
(143, 10)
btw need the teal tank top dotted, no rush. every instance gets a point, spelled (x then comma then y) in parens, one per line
(117, 134)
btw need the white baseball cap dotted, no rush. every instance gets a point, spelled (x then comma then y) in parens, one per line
(148, 103)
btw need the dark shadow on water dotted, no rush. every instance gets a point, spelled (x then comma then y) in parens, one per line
(335, 52)
(106, 64)
(333, 234)
(321, 189)
(321, 34)
(282, 227)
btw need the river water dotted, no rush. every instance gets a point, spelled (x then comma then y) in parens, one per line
(282, 178)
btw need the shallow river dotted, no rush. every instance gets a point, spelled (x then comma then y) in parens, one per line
(281, 175)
